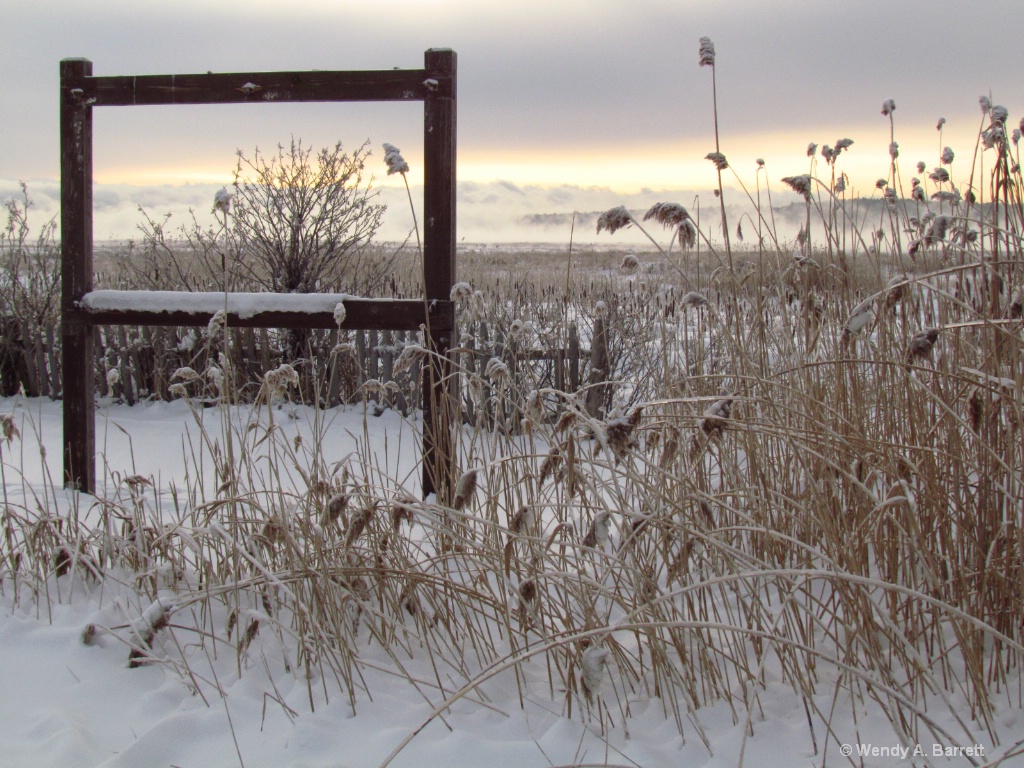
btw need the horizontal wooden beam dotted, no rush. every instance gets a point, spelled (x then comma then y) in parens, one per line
(260, 310)
(259, 87)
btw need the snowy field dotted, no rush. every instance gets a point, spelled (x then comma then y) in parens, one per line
(72, 699)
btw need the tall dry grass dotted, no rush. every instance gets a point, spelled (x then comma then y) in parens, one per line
(805, 473)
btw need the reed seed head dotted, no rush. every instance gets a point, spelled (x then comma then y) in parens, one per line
(394, 160)
(222, 201)
(465, 489)
(888, 107)
(614, 219)
(8, 427)
(630, 264)
(718, 160)
(673, 215)
(401, 511)
(334, 510)
(522, 521)
(799, 184)
(461, 292)
(706, 53)
(184, 374)
(693, 299)
(1016, 310)
(898, 290)
(528, 591)
(600, 531)
(716, 417)
(619, 432)
(278, 380)
(862, 316)
(411, 355)
(497, 371)
(922, 343)
(595, 661)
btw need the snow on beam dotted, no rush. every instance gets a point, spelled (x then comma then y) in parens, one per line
(260, 310)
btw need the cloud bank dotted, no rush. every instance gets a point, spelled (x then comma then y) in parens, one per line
(494, 212)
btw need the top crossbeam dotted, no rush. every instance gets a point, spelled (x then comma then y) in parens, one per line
(261, 87)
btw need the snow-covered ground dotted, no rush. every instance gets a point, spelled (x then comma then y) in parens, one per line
(71, 699)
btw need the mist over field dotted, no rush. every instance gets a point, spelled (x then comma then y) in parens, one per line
(495, 212)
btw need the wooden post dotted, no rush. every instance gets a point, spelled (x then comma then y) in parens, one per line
(83, 309)
(574, 358)
(598, 369)
(439, 406)
(78, 363)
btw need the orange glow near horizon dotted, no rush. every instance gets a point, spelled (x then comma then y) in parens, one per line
(679, 166)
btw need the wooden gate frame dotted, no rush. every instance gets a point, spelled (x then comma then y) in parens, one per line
(434, 85)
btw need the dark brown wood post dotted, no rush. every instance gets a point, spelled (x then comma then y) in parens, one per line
(439, 143)
(76, 276)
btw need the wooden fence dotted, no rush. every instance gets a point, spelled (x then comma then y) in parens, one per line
(83, 309)
(137, 363)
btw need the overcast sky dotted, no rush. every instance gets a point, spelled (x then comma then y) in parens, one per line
(562, 105)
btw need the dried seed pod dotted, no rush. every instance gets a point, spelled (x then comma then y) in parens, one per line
(600, 531)
(528, 595)
(550, 464)
(975, 409)
(671, 449)
(144, 629)
(921, 344)
(647, 590)
(681, 562)
(565, 420)
(410, 600)
(250, 634)
(595, 660)
(522, 521)
(358, 525)
(614, 219)
(619, 433)
(465, 489)
(716, 418)
(897, 291)
(334, 510)
(863, 315)
(401, 511)
(693, 299)
(1016, 310)
(705, 509)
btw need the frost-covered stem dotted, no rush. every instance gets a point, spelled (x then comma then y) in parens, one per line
(757, 205)
(664, 253)
(718, 149)
(415, 223)
(568, 272)
(892, 157)
(419, 251)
